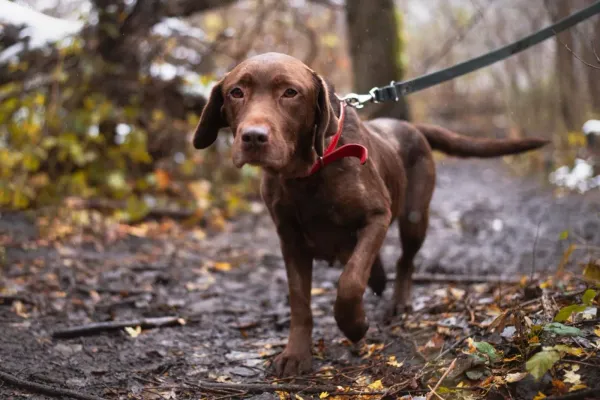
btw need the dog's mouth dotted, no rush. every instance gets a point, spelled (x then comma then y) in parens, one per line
(263, 157)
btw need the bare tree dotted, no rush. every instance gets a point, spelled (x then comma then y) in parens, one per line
(375, 49)
(565, 66)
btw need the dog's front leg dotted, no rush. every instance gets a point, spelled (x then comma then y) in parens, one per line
(297, 356)
(349, 311)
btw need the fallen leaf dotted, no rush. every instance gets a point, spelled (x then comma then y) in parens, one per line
(377, 385)
(516, 377)
(575, 351)
(562, 330)
(317, 291)
(20, 309)
(324, 395)
(298, 397)
(597, 330)
(588, 297)
(392, 361)
(539, 396)
(222, 266)
(592, 271)
(572, 377)
(566, 312)
(541, 362)
(577, 387)
(133, 332)
(487, 349)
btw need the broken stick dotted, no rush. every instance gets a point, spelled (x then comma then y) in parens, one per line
(269, 388)
(44, 389)
(94, 328)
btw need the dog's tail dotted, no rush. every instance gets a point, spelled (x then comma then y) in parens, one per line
(463, 146)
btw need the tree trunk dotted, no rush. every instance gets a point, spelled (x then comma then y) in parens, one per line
(375, 50)
(593, 75)
(568, 95)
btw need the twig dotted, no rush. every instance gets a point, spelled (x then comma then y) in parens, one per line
(576, 56)
(44, 389)
(450, 368)
(467, 279)
(579, 395)
(268, 388)
(449, 349)
(98, 327)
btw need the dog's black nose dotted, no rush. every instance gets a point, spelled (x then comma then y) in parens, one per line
(255, 136)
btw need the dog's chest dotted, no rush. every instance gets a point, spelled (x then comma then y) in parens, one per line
(328, 220)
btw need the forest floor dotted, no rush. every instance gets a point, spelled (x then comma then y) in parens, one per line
(503, 257)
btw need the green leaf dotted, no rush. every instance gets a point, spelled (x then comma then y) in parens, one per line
(541, 362)
(562, 330)
(564, 235)
(566, 312)
(588, 297)
(487, 349)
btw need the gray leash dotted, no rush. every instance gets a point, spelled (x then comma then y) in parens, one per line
(394, 90)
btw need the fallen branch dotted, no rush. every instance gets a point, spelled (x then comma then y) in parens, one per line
(467, 279)
(98, 327)
(450, 368)
(269, 388)
(44, 389)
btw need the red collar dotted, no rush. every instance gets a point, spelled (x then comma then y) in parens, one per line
(348, 150)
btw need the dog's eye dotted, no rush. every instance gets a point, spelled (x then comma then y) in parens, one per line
(290, 93)
(236, 93)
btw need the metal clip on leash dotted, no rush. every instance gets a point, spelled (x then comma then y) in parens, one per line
(359, 100)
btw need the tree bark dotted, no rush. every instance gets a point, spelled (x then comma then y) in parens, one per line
(593, 75)
(565, 67)
(375, 50)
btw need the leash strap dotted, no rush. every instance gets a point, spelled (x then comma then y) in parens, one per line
(394, 90)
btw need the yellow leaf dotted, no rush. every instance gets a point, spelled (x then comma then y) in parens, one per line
(597, 330)
(377, 385)
(539, 396)
(592, 271)
(324, 395)
(577, 387)
(133, 332)
(317, 291)
(392, 361)
(298, 397)
(222, 266)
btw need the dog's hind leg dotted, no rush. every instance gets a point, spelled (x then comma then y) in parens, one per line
(413, 222)
(377, 279)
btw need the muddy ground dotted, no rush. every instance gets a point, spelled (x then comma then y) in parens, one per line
(230, 288)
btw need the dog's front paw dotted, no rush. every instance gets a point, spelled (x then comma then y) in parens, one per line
(292, 362)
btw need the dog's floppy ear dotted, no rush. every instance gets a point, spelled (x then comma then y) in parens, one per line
(211, 119)
(326, 120)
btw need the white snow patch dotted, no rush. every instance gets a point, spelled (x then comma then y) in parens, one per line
(580, 177)
(41, 29)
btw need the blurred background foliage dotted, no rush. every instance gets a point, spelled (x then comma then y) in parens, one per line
(98, 98)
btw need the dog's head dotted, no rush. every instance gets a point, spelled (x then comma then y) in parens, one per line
(278, 109)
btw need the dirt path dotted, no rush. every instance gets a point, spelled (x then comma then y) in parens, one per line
(231, 288)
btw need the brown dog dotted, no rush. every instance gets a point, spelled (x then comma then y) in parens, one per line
(281, 114)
